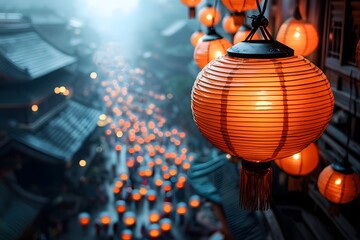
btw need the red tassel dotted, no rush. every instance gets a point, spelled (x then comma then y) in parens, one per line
(255, 186)
(192, 12)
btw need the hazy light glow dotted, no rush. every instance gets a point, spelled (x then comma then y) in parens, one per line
(296, 156)
(107, 8)
(338, 181)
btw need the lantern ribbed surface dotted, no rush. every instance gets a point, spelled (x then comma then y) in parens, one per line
(206, 51)
(302, 163)
(338, 187)
(239, 5)
(261, 109)
(299, 35)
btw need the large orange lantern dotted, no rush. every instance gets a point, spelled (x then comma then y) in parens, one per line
(209, 16)
(243, 32)
(195, 37)
(239, 5)
(231, 24)
(210, 46)
(338, 184)
(191, 4)
(301, 163)
(298, 34)
(261, 103)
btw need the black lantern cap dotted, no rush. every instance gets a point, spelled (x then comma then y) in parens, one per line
(260, 49)
(342, 168)
(211, 35)
(267, 48)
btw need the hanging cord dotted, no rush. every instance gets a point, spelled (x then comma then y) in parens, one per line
(296, 13)
(352, 112)
(260, 22)
(215, 6)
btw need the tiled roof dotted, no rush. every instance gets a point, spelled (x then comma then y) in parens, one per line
(63, 135)
(25, 55)
(224, 176)
(16, 212)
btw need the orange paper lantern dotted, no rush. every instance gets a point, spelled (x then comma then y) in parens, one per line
(298, 34)
(84, 219)
(154, 230)
(339, 185)
(194, 201)
(242, 34)
(154, 216)
(231, 24)
(191, 4)
(209, 16)
(239, 5)
(181, 208)
(129, 219)
(167, 207)
(165, 224)
(126, 234)
(105, 218)
(195, 37)
(261, 103)
(301, 163)
(120, 206)
(210, 46)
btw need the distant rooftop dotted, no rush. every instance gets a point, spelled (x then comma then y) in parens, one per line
(25, 55)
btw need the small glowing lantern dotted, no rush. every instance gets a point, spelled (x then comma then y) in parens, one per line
(338, 184)
(209, 16)
(194, 201)
(298, 34)
(124, 176)
(151, 195)
(301, 163)
(105, 219)
(158, 182)
(154, 216)
(154, 230)
(84, 219)
(167, 208)
(120, 206)
(34, 108)
(191, 4)
(135, 195)
(182, 178)
(195, 37)
(126, 234)
(118, 147)
(181, 208)
(242, 34)
(173, 171)
(261, 103)
(167, 186)
(143, 190)
(231, 24)
(210, 46)
(165, 224)
(186, 165)
(129, 219)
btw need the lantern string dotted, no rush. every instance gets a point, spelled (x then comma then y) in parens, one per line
(260, 22)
